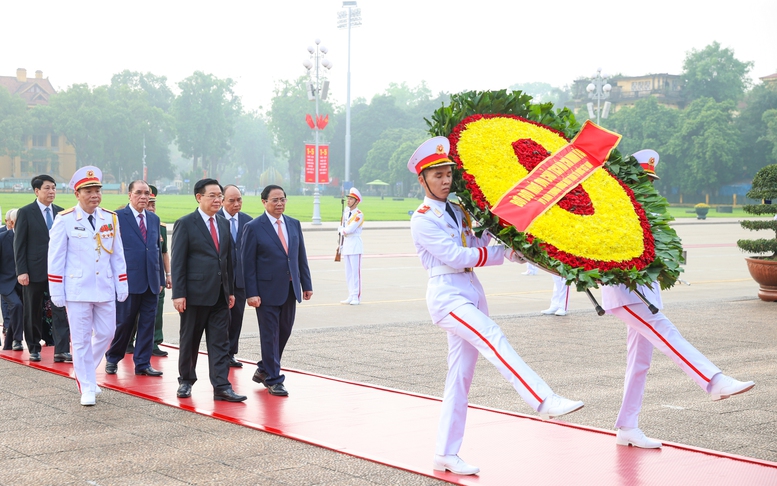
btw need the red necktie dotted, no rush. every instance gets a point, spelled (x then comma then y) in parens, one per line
(213, 233)
(142, 225)
(280, 235)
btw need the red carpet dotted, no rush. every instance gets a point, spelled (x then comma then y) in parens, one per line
(398, 429)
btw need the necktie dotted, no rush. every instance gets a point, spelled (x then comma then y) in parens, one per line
(213, 233)
(49, 221)
(233, 228)
(449, 210)
(280, 235)
(91, 220)
(142, 225)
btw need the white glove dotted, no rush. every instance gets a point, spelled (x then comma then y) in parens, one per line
(340, 230)
(515, 256)
(58, 301)
(122, 297)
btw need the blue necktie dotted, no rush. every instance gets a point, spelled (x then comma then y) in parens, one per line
(49, 221)
(233, 229)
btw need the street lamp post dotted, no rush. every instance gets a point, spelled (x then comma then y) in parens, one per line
(350, 18)
(599, 89)
(316, 61)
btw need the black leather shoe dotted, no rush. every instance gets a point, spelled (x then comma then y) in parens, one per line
(149, 372)
(184, 390)
(278, 390)
(233, 363)
(158, 352)
(17, 346)
(259, 377)
(34, 356)
(228, 395)
(111, 368)
(63, 357)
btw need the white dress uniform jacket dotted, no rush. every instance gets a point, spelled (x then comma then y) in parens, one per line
(85, 264)
(445, 250)
(352, 220)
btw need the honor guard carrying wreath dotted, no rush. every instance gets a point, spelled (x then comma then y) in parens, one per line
(352, 248)
(87, 273)
(646, 331)
(449, 250)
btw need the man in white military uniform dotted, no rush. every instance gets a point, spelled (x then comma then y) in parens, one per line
(449, 250)
(559, 302)
(352, 248)
(87, 273)
(646, 331)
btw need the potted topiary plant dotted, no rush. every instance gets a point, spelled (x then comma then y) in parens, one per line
(763, 269)
(702, 210)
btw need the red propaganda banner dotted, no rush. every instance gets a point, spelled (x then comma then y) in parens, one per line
(310, 164)
(555, 176)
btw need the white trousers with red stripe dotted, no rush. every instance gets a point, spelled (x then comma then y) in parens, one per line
(560, 299)
(470, 332)
(645, 332)
(92, 326)
(353, 271)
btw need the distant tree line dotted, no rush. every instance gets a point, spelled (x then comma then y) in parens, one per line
(726, 132)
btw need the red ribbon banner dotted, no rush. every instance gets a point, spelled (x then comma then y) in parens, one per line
(555, 176)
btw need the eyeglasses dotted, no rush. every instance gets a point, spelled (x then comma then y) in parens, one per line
(277, 200)
(213, 196)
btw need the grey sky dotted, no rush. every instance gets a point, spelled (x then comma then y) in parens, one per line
(452, 45)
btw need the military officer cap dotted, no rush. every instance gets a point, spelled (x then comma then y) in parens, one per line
(87, 176)
(354, 193)
(648, 159)
(432, 153)
(154, 192)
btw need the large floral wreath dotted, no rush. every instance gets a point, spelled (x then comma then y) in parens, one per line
(612, 228)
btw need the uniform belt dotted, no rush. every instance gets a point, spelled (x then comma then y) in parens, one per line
(445, 270)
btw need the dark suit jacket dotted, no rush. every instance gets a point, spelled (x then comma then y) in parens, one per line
(31, 243)
(266, 266)
(144, 258)
(237, 266)
(199, 271)
(7, 264)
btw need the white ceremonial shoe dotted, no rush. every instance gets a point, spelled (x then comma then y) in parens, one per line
(550, 311)
(724, 386)
(636, 438)
(355, 302)
(454, 464)
(87, 399)
(346, 301)
(556, 406)
(97, 390)
(560, 312)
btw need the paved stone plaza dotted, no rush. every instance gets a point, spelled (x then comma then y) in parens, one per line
(48, 438)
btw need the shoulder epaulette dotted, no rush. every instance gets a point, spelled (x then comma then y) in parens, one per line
(66, 211)
(423, 209)
(108, 211)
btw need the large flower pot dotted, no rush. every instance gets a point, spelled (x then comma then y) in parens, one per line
(701, 213)
(764, 272)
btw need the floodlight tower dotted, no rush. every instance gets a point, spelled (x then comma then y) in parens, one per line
(350, 17)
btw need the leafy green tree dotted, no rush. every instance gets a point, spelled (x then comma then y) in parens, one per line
(159, 93)
(705, 147)
(770, 119)
(380, 156)
(252, 150)
(714, 73)
(14, 122)
(757, 146)
(287, 123)
(406, 96)
(205, 114)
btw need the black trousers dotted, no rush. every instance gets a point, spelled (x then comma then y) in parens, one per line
(214, 322)
(275, 323)
(236, 320)
(33, 299)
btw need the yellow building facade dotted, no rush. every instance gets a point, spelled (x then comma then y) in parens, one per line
(627, 90)
(44, 152)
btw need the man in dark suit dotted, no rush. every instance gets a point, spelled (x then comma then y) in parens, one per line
(10, 289)
(233, 203)
(203, 290)
(145, 276)
(277, 276)
(31, 247)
